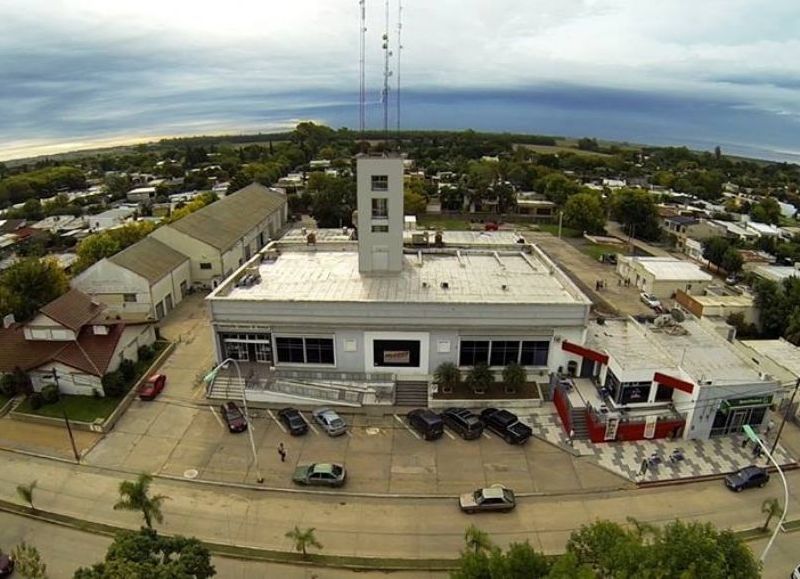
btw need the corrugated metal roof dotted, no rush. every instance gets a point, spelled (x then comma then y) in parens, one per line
(223, 223)
(149, 258)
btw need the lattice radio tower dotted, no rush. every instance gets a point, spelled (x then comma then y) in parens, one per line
(399, 52)
(386, 73)
(362, 95)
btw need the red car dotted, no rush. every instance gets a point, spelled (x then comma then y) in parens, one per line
(153, 387)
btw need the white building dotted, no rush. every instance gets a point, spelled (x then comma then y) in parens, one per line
(663, 276)
(141, 194)
(111, 218)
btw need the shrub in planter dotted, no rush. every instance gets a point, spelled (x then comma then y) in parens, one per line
(36, 401)
(145, 353)
(127, 369)
(480, 378)
(49, 394)
(114, 384)
(8, 385)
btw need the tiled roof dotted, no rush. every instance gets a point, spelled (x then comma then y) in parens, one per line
(149, 258)
(224, 222)
(73, 310)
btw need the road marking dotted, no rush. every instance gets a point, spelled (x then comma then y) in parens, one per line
(214, 412)
(486, 435)
(406, 426)
(310, 423)
(278, 422)
(447, 432)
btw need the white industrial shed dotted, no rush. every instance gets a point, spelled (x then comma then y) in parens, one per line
(663, 276)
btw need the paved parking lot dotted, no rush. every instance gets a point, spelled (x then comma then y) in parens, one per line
(381, 454)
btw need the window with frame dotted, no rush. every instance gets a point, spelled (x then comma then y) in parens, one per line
(305, 350)
(380, 182)
(129, 298)
(504, 352)
(534, 353)
(473, 352)
(205, 265)
(319, 351)
(380, 229)
(663, 393)
(380, 208)
(634, 392)
(290, 350)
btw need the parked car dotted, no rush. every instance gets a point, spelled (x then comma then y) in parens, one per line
(494, 498)
(748, 477)
(330, 421)
(732, 279)
(796, 573)
(464, 422)
(650, 300)
(321, 474)
(6, 565)
(152, 387)
(506, 425)
(233, 417)
(293, 421)
(426, 422)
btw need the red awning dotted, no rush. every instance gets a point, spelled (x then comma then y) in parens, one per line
(584, 352)
(671, 382)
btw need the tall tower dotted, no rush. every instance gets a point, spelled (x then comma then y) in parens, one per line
(380, 215)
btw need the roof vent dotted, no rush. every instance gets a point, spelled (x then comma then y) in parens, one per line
(424, 284)
(504, 287)
(445, 285)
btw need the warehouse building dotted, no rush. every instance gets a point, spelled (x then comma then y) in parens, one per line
(663, 276)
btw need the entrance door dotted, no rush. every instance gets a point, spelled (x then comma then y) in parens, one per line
(587, 368)
(738, 419)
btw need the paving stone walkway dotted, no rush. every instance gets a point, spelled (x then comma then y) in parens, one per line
(701, 457)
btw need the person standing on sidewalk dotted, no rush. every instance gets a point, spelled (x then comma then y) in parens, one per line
(282, 452)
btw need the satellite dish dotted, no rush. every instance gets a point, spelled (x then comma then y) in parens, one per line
(677, 315)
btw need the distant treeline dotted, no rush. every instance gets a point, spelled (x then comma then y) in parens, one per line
(39, 184)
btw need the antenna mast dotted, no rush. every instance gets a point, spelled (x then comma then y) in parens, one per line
(386, 73)
(362, 95)
(399, 52)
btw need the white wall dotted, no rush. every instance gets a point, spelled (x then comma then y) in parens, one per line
(708, 398)
(197, 251)
(107, 283)
(70, 380)
(133, 337)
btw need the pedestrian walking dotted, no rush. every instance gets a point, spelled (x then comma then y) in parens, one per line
(282, 452)
(643, 468)
(744, 442)
(757, 451)
(571, 436)
(770, 426)
(619, 282)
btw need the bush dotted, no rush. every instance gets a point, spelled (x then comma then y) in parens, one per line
(49, 394)
(145, 353)
(127, 369)
(114, 384)
(36, 401)
(8, 386)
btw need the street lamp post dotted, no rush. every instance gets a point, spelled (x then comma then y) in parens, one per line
(66, 420)
(209, 378)
(751, 434)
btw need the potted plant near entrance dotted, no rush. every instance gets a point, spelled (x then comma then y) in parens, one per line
(514, 378)
(447, 377)
(480, 378)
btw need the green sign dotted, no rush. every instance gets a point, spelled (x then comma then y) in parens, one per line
(753, 401)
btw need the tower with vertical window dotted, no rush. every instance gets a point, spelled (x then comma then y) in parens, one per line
(380, 215)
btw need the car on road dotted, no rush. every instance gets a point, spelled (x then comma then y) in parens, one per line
(426, 422)
(796, 573)
(464, 422)
(494, 498)
(748, 477)
(293, 421)
(233, 417)
(330, 421)
(506, 425)
(6, 565)
(732, 279)
(650, 300)
(152, 387)
(321, 474)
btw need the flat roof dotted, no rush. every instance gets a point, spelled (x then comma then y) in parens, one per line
(776, 272)
(627, 345)
(472, 276)
(726, 300)
(781, 352)
(670, 268)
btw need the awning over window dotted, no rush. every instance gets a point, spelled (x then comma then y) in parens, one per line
(671, 382)
(584, 352)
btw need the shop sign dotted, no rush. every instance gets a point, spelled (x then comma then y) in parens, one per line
(752, 401)
(396, 357)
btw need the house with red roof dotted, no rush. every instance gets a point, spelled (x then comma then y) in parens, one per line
(75, 338)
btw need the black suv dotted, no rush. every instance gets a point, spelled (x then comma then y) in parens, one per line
(464, 422)
(293, 421)
(506, 425)
(749, 476)
(426, 422)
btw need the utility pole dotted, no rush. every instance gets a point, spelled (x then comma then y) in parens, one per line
(560, 220)
(786, 412)
(66, 420)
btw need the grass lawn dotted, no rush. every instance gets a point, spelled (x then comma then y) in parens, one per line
(80, 408)
(555, 150)
(595, 250)
(552, 228)
(443, 222)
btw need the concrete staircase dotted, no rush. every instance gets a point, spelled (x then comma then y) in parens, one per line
(226, 388)
(579, 426)
(411, 393)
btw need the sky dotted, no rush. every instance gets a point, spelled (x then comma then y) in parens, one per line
(80, 73)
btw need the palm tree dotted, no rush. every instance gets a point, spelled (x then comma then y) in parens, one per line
(480, 378)
(447, 376)
(303, 539)
(514, 376)
(476, 540)
(135, 496)
(770, 507)
(25, 492)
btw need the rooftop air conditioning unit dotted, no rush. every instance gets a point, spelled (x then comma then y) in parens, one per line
(445, 285)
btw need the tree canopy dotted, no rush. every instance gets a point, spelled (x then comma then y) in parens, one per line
(585, 212)
(107, 243)
(636, 211)
(28, 285)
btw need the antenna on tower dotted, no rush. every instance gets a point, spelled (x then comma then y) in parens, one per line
(362, 95)
(386, 73)
(399, 52)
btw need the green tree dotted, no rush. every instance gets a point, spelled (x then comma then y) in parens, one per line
(447, 376)
(414, 203)
(766, 210)
(636, 211)
(771, 508)
(584, 212)
(29, 284)
(732, 260)
(479, 378)
(605, 546)
(476, 541)
(514, 376)
(774, 309)
(303, 539)
(25, 492)
(520, 561)
(135, 496)
(557, 187)
(28, 561)
(107, 243)
(714, 250)
(144, 554)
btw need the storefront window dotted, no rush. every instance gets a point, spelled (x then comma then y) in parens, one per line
(290, 350)
(504, 353)
(634, 392)
(396, 353)
(534, 353)
(473, 352)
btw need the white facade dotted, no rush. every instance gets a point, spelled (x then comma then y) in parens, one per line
(663, 276)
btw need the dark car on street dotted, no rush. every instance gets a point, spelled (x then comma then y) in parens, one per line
(506, 425)
(748, 477)
(6, 565)
(233, 417)
(293, 421)
(464, 422)
(426, 422)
